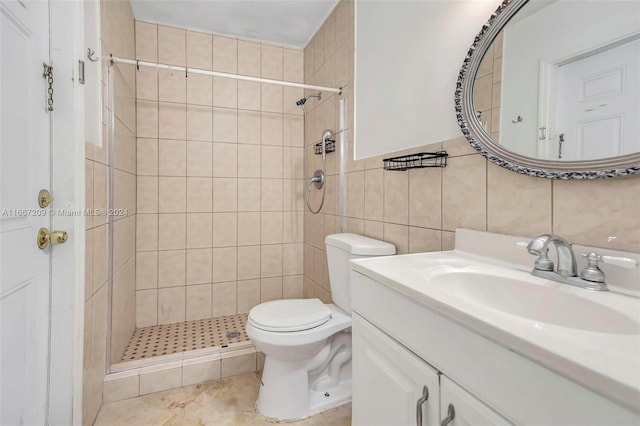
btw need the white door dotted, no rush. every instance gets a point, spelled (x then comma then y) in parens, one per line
(24, 171)
(391, 385)
(598, 106)
(459, 408)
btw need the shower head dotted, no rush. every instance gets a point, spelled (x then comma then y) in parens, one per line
(302, 101)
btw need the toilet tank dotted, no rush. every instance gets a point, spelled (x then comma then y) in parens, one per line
(340, 249)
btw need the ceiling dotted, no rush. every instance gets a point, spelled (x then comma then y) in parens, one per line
(289, 22)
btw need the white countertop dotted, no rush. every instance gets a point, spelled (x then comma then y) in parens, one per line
(606, 361)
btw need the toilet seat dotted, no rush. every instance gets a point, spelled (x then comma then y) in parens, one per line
(338, 321)
(289, 315)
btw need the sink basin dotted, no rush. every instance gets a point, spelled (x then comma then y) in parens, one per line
(520, 295)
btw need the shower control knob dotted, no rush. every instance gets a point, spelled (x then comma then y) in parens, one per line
(317, 179)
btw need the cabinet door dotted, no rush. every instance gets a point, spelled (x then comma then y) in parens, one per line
(459, 408)
(390, 382)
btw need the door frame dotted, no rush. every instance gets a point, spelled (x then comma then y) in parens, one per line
(547, 87)
(68, 189)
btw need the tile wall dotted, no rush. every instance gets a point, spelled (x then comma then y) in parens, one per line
(117, 38)
(220, 167)
(419, 210)
(138, 381)
(328, 61)
(487, 90)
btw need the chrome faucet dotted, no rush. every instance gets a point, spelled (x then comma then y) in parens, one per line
(539, 246)
(590, 278)
(567, 272)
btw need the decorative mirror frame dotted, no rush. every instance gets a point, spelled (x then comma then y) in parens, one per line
(624, 165)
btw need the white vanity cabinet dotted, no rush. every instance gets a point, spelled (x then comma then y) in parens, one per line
(400, 345)
(391, 385)
(389, 382)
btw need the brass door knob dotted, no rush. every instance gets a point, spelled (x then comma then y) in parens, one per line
(56, 237)
(44, 198)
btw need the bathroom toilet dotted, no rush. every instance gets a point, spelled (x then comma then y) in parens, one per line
(307, 343)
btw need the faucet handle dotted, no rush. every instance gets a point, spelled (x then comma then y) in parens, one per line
(593, 273)
(623, 262)
(542, 263)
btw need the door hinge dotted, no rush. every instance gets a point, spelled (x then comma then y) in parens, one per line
(543, 133)
(81, 71)
(560, 142)
(48, 75)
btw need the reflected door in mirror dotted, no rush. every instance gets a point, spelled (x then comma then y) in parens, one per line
(570, 71)
(598, 107)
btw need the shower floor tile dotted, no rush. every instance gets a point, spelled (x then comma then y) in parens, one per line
(180, 337)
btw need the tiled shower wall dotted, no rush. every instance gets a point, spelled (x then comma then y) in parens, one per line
(117, 38)
(219, 162)
(419, 210)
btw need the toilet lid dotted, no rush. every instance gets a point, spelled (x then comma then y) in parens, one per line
(290, 314)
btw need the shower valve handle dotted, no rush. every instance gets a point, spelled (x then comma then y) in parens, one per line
(317, 180)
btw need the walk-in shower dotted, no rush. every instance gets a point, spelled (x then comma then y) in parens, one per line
(185, 266)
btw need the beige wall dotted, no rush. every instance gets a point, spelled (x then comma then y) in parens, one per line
(117, 38)
(219, 177)
(419, 210)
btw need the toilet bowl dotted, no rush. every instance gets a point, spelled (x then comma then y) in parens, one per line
(307, 343)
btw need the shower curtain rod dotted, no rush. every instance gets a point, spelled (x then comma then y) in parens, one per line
(187, 71)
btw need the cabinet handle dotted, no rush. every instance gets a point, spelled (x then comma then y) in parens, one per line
(419, 402)
(451, 414)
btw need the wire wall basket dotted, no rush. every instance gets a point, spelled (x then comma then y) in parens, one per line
(330, 146)
(416, 161)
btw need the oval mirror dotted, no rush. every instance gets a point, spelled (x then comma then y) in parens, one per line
(551, 88)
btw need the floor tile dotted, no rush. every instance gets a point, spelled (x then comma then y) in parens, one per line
(220, 403)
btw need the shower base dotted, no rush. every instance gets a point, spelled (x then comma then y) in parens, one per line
(221, 332)
(169, 356)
